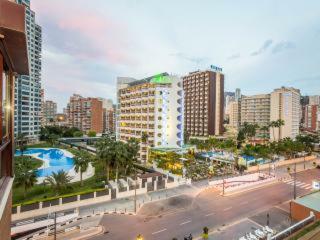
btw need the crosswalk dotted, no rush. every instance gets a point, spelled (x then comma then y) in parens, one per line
(298, 184)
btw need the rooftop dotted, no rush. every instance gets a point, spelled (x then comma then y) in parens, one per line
(311, 201)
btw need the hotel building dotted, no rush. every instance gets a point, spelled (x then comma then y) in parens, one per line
(256, 110)
(49, 111)
(13, 60)
(312, 118)
(285, 105)
(153, 107)
(85, 113)
(27, 117)
(204, 102)
(234, 115)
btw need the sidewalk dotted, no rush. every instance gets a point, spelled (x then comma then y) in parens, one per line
(127, 204)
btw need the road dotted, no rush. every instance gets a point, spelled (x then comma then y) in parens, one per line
(208, 208)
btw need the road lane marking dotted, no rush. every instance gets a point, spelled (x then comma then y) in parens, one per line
(226, 209)
(210, 214)
(159, 231)
(185, 222)
(243, 203)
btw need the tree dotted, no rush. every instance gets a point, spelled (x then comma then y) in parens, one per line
(58, 181)
(265, 130)
(78, 134)
(25, 176)
(92, 134)
(81, 162)
(133, 150)
(52, 139)
(21, 142)
(105, 153)
(144, 137)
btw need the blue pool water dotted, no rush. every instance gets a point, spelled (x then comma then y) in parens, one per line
(55, 158)
(248, 159)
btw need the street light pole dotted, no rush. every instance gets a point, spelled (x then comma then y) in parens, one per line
(295, 182)
(135, 190)
(55, 226)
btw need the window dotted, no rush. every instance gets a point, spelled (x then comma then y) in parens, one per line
(5, 105)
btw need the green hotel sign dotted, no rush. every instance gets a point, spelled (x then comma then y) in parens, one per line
(161, 79)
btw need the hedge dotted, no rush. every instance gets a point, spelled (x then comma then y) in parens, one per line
(57, 197)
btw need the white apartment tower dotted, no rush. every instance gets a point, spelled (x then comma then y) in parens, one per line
(27, 88)
(154, 107)
(285, 105)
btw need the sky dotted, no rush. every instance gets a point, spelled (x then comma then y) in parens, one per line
(261, 45)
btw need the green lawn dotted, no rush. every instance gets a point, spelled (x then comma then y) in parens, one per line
(42, 192)
(306, 230)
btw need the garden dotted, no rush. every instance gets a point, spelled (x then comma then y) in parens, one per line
(114, 159)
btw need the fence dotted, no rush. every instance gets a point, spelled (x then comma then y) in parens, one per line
(294, 228)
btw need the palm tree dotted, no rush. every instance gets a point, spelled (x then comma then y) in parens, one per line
(25, 176)
(81, 162)
(273, 125)
(105, 153)
(52, 138)
(279, 124)
(265, 130)
(21, 142)
(121, 155)
(59, 181)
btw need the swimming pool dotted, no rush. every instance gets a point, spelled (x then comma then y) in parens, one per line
(54, 160)
(220, 154)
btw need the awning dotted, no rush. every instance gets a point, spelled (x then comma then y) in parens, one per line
(13, 41)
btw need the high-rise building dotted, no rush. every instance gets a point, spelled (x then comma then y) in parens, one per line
(234, 114)
(28, 87)
(13, 60)
(109, 118)
(151, 109)
(49, 111)
(256, 110)
(85, 113)
(314, 100)
(122, 82)
(312, 117)
(204, 102)
(285, 105)
(237, 94)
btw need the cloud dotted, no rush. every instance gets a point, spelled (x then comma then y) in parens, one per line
(197, 60)
(234, 56)
(83, 32)
(282, 46)
(263, 48)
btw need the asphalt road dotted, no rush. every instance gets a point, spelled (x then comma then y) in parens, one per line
(208, 209)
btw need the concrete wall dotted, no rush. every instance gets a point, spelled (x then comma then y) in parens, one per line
(5, 221)
(281, 163)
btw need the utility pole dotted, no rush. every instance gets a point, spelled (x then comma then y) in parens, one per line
(55, 226)
(295, 182)
(135, 190)
(304, 161)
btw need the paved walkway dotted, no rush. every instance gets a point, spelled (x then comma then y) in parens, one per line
(127, 204)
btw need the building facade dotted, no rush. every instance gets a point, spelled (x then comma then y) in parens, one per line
(28, 87)
(314, 100)
(49, 111)
(312, 117)
(204, 103)
(235, 115)
(13, 60)
(85, 113)
(256, 110)
(151, 110)
(285, 105)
